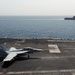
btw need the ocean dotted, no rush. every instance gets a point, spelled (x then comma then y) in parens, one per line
(36, 27)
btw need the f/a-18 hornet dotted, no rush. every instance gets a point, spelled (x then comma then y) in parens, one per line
(9, 55)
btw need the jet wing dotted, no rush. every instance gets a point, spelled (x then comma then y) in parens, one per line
(10, 56)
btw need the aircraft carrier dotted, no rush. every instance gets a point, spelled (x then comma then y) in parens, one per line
(57, 58)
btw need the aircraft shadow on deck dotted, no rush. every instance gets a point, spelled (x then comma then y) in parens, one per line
(9, 63)
(25, 58)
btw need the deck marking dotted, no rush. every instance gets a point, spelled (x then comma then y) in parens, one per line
(53, 49)
(42, 72)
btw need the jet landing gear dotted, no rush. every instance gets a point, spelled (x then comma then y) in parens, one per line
(28, 56)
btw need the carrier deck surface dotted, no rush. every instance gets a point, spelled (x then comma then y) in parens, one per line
(57, 58)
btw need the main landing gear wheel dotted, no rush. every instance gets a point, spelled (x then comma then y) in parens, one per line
(28, 56)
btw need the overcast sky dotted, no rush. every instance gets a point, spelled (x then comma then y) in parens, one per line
(37, 7)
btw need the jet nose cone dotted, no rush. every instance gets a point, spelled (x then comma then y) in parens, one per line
(38, 50)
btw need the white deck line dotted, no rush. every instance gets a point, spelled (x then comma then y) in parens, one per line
(43, 71)
(53, 49)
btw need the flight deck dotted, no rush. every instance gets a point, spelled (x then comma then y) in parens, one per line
(57, 58)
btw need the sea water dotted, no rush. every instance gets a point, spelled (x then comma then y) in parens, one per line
(36, 27)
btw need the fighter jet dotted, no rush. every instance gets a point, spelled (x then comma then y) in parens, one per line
(9, 55)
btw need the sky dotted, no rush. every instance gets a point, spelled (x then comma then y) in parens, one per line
(37, 7)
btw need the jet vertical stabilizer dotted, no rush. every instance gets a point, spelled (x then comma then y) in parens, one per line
(3, 52)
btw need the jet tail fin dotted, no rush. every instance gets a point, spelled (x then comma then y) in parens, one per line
(12, 49)
(3, 52)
